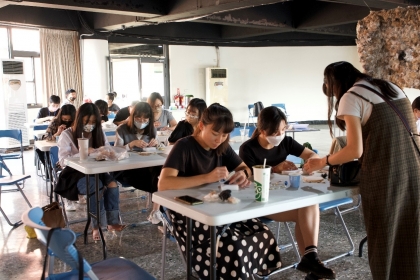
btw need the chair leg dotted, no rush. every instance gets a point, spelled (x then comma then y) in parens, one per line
(346, 231)
(19, 223)
(162, 272)
(293, 242)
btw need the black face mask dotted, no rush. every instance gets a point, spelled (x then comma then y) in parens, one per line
(67, 123)
(72, 98)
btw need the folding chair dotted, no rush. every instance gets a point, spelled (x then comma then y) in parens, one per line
(11, 180)
(60, 244)
(36, 159)
(17, 135)
(281, 106)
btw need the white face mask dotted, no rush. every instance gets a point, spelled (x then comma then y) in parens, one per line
(275, 140)
(89, 127)
(140, 125)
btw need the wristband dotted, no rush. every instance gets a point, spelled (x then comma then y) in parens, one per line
(327, 160)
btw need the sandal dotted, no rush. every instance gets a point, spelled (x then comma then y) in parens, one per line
(116, 227)
(95, 234)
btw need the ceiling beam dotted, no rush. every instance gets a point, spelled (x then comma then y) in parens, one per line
(341, 30)
(378, 4)
(144, 8)
(235, 32)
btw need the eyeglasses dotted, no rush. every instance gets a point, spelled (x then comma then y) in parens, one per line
(188, 115)
(141, 120)
(158, 106)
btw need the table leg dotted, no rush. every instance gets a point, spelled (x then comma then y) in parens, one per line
(88, 209)
(48, 170)
(188, 248)
(98, 213)
(213, 264)
(162, 272)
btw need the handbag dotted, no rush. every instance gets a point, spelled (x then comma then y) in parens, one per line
(344, 174)
(53, 215)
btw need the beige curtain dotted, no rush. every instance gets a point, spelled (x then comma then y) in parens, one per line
(60, 62)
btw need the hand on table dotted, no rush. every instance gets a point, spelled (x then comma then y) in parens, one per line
(91, 150)
(217, 174)
(239, 178)
(153, 142)
(313, 164)
(164, 128)
(284, 166)
(138, 144)
(156, 123)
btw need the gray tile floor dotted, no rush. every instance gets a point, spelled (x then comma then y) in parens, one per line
(22, 258)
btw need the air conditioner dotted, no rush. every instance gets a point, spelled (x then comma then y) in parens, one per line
(217, 86)
(13, 101)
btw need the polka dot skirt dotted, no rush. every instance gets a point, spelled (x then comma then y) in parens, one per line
(245, 248)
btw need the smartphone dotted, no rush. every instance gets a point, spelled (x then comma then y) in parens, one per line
(188, 200)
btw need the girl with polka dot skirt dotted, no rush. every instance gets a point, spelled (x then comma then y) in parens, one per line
(245, 248)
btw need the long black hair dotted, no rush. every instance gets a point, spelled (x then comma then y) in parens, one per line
(88, 109)
(339, 77)
(66, 110)
(198, 104)
(142, 110)
(220, 118)
(269, 120)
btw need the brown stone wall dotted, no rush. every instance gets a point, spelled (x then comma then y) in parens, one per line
(388, 43)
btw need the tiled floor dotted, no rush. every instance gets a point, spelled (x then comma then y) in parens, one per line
(22, 258)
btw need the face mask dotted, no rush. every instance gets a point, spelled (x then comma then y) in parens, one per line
(72, 98)
(275, 140)
(66, 123)
(140, 125)
(89, 127)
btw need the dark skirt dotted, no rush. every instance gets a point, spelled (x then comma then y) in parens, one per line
(145, 179)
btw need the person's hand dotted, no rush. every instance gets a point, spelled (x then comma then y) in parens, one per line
(239, 178)
(164, 128)
(60, 129)
(91, 150)
(217, 174)
(313, 164)
(153, 142)
(50, 118)
(156, 123)
(138, 144)
(284, 166)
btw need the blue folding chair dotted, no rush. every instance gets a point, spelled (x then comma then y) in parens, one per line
(60, 243)
(281, 106)
(17, 135)
(6, 182)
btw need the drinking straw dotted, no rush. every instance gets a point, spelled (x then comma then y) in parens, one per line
(265, 160)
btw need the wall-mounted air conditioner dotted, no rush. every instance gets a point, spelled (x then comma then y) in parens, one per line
(217, 86)
(13, 100)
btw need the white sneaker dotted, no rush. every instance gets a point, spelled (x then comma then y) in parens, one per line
(82, 199)
(70, 206)
(155, 217)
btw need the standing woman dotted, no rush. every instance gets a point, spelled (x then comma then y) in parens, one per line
(186, 127)
(163, 118)
(390, 171)
(269, 142)
(71, 182)
(136, 134)
(207, 158)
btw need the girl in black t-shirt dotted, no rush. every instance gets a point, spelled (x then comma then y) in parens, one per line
(206, 157)
(269, 141)
(186, 127)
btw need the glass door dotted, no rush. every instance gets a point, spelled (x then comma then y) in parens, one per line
(125, 73)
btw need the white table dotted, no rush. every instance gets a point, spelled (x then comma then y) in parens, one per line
(309, 129)
(217, 214)
(93, 167)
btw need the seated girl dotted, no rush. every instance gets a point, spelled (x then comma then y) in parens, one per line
(103, 109)
(71, 182)
(136, 134)
(269, 141)
(62, 121)
(207, 158)
(186, 127)
(163, 119)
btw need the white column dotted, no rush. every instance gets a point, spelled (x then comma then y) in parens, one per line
(94, 53)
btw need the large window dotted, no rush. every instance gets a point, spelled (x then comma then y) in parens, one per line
(23, 44)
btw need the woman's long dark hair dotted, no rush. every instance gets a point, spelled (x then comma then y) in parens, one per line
(269, 120)
(66, 110)
(88, 109)
(142, 110)
(153, 97)
(220, 118)
(339, 77)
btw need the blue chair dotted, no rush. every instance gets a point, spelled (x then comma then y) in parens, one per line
(17, 135)
(110, 133)
(281, 106)
(39, 128)
(60, 244)
(7, 181)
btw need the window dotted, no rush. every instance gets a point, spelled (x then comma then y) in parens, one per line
(25, 46)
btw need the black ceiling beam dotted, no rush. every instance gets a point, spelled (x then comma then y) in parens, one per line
(378, 4)
(235, 32)
(341, 30)
(144, 8)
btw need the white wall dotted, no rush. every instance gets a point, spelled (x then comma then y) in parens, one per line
(93, 55)
(291, 75)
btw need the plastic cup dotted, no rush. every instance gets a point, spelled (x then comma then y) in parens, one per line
(83, 148)
(57, 138)
(294, 179)
(262, 182)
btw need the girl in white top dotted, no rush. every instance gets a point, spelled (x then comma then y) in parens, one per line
(87, 124)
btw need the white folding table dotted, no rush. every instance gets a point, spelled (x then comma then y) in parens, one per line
(217, 213)
(93, 167)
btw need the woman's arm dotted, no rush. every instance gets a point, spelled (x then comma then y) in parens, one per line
(307, 154)
(65, 148)
(353, 149)
(169, 179)
(172, 124)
